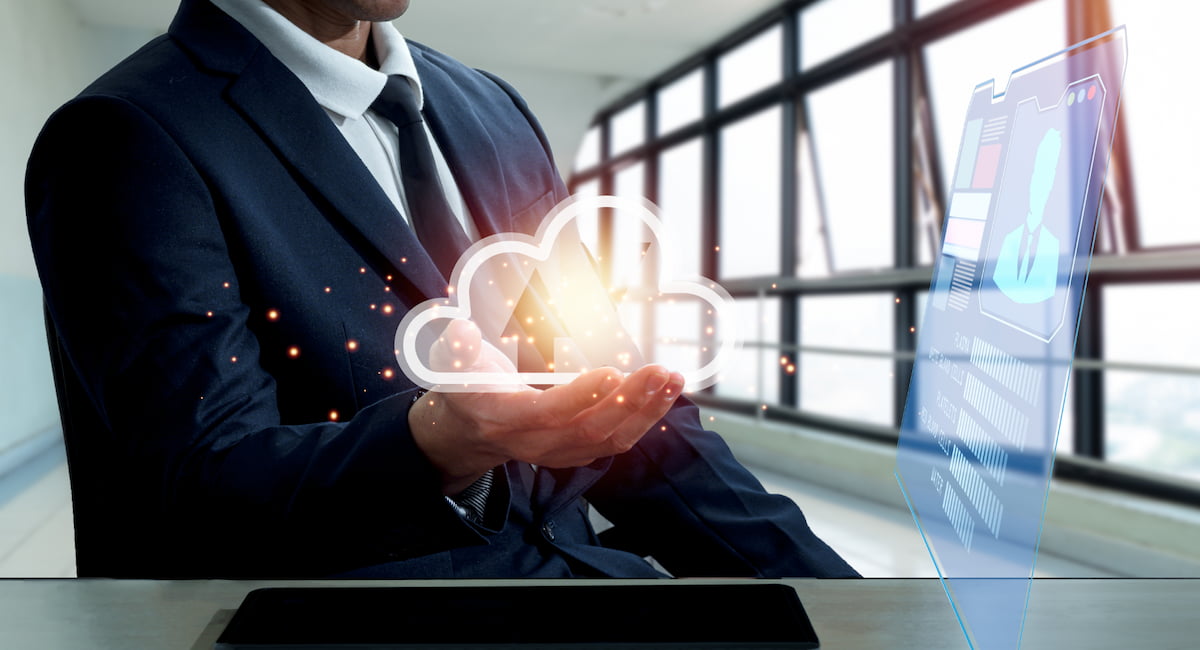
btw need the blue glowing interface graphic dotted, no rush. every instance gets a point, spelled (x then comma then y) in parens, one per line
(990, 377)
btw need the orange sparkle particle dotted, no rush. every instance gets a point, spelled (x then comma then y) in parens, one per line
(352, 345)
(663, 427)
(293, 352)
(912, 329)
(404, 260)
(225, 284)
(620, 399)
(372, 305)
(328, 290)
(387, 309)
(712, 419)
(388, 373)
(333, 416)
(232, 359)
(389, 278)
(362, 269)
(273, 314)
(209, 314)
(791, 369)
(897, 301)
(717, 248)
(764, 407)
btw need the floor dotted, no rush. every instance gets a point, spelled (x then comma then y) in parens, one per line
(36, 533)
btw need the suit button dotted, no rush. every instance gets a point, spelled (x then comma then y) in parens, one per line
(548, 530)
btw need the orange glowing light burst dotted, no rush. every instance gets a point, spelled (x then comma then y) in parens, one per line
(388, 373)
(328, 289)
(273, 314)
(225, 285)
(387, 309)
(352, 345)
(293, 352)
(209, 314)
(333, 416)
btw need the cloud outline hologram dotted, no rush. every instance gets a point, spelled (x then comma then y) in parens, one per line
(539, 248)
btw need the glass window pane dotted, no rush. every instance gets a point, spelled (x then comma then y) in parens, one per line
(1066, 426)
(855, 388)
(679, 205)
(851, 127)
(858, 388)
(831, 27)
(681, 102)
(628, 128)
(754, 373)
(629, 234)
(812, 249)
(859, 321)
(751, 66)
(750, 178)
(1152, 421)
(589, 223)
(964, 59)
(1143, 323)
(1161, 134)
(589, 149)
(929, 6)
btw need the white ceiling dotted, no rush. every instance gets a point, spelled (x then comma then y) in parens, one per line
(628, 40)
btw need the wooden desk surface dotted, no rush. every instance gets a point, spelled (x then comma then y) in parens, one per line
(848, 614)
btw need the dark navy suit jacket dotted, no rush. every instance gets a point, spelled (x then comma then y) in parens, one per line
(209, 246)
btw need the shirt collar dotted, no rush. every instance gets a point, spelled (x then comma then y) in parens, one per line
(339, 83)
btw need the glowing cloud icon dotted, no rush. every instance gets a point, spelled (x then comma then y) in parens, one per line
(545, 315)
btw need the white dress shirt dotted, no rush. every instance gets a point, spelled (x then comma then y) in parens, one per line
(346, 87)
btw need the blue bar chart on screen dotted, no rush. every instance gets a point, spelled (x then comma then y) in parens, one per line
(989, 384)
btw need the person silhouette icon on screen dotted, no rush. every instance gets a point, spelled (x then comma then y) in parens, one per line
(1027, 266)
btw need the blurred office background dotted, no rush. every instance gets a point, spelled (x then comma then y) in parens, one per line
(799, 152)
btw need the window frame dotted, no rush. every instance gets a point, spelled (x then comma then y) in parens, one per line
(904, 46)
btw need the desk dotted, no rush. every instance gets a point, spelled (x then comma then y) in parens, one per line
(847, 614)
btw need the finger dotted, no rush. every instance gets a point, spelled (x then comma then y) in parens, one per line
(638, 424)
(458, 347)
(564, 402)
(644, 387)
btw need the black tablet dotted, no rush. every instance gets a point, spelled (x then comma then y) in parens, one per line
(664, 615)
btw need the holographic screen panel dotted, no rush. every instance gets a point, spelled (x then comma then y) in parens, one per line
(988, 386)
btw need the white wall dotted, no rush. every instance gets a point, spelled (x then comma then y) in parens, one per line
(46, 56)
(564, 102)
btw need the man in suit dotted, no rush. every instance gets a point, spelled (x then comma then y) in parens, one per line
(226, 247)
(1027, 264)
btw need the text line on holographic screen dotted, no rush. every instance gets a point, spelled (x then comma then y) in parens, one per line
(542, 304)
(989, 381)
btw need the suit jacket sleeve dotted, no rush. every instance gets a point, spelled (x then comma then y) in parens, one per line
(139, 282)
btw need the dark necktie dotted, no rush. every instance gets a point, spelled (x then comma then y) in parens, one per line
(432, 219)
(1028, 254)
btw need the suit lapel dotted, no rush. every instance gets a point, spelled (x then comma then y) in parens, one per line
(474, 161)
(286, 115)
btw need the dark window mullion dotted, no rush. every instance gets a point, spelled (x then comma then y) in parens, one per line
(902, 228)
